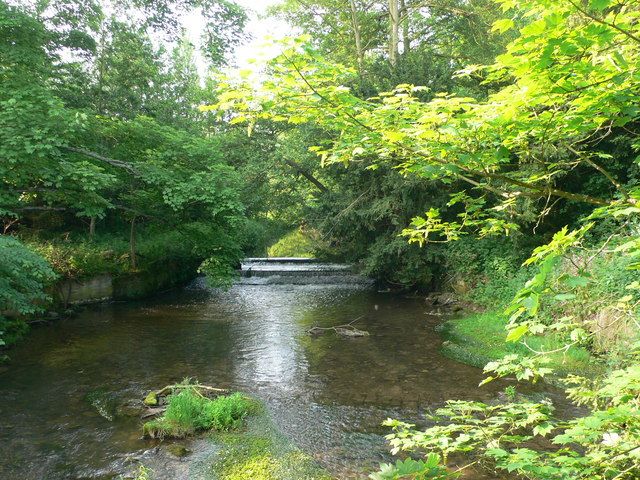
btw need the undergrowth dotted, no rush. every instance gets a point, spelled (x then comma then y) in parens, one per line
(480, 338)
(297, 243)
(493, 275)
(79, 256)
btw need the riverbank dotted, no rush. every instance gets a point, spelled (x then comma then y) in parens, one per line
(54, 276)
(479, 338)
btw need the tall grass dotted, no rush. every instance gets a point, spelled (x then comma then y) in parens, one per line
(189, 412)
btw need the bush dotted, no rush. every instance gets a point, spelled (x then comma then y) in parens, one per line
(23, 278)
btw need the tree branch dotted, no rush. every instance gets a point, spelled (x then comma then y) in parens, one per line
(306, 175)
(102, 158)
(543, 190)
(604, 22)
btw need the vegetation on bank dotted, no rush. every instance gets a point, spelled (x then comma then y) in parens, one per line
(303, 243)
(23, 278)
(479, 338)
(490, 276)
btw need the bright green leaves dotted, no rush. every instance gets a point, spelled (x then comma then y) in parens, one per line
(517, 333)
(475, 218)
(429, 468)
(600, 4)
(601, 444)
(462, 426)
(503, 25)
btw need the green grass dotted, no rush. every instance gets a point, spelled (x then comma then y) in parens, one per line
(480, 338)
(294, 244)
(189, 412)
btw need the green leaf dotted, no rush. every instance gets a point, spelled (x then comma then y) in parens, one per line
(517, 333)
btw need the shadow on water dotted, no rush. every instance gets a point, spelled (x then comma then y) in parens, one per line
(62, 398)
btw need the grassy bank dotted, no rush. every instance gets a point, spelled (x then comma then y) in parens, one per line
(488, 273)
(479, 338)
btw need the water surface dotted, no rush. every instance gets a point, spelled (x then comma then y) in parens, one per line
(63, 395)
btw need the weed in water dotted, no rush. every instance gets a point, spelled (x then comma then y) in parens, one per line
(189, 412)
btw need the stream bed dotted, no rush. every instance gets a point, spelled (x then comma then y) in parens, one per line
(62, 396)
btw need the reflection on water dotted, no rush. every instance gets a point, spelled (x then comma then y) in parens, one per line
(328, 393)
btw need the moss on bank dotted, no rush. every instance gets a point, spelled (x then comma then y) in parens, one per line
(480, 338)
(261, 452)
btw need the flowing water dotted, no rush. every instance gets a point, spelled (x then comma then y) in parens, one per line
(64, 398)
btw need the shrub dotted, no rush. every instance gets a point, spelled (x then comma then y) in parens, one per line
(23, 278)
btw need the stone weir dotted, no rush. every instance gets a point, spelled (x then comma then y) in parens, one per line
(298, 271)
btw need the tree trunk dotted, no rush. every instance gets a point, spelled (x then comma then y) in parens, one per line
(404, 18)
(306, 175)
(357, 37)
(92, 227)
(132, 244)
(394, 20)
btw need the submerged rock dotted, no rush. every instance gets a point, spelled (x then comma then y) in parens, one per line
(103, 402)
(178, 450)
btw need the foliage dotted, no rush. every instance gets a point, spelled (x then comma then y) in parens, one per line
(479, 339)
(429, 468)
(602, 444)
(97, 132)
(189, 412)
(24, 276)
(80, 256)
(561, 98)
(436, 38)
(297, 243)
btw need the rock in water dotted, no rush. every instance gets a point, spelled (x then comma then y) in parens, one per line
(151, 400)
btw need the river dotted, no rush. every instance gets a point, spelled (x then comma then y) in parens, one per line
(61, 393)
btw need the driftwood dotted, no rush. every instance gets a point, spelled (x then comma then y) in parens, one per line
(169, 389)
(346, 330)
(153, 411)
(157, 398)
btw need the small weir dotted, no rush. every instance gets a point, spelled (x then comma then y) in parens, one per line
(298, 271)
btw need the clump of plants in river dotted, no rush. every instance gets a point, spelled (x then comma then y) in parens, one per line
(189, 411)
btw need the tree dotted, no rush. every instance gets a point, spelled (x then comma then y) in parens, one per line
(565, 87)
(24, 275)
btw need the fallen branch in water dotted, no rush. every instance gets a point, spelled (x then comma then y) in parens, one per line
(153, 411)
(156, 397)
(346, 330)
